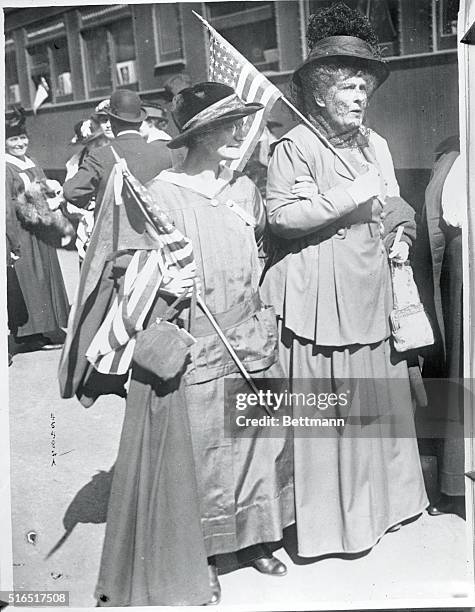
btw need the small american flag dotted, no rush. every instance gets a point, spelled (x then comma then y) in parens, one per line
(228, 66)
(111, 349)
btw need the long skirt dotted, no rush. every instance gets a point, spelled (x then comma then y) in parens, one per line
(452, 461)
(41, 281)
(182, 490)
(351, 485)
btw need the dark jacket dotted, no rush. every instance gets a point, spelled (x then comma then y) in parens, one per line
(144, 160)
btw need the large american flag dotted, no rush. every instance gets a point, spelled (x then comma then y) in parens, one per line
(228, 66)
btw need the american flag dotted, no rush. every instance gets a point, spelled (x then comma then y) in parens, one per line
(228, 66)
(111, 349)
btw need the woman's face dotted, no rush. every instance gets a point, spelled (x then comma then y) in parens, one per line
(225, 141)
(17, 145)
(344, 104)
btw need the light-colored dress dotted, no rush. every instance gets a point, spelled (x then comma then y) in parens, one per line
(329, 281)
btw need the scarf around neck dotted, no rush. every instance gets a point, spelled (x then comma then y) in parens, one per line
(352, 139)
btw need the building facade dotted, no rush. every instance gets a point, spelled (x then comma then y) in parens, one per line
(84, 52)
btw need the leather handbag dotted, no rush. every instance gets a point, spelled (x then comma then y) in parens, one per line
(410, 325)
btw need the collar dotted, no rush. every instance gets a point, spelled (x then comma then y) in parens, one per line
(157, 134)
(128, 132)
(21, 164)
(176, 176)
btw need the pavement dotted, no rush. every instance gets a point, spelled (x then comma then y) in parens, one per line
(59, 513)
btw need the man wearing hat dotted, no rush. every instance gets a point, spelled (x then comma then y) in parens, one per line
(153, 128)
(144, 161)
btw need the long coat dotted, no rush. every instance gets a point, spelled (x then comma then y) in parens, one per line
(38, 270)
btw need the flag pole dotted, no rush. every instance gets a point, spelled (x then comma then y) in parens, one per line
(308, 123)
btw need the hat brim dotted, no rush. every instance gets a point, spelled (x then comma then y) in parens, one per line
(142, 117)
(375, 66)
(234, 115)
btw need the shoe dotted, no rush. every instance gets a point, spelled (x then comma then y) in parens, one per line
(215, 586)
(49, 345)
(448, 504)
(270, 566)
(394, 528)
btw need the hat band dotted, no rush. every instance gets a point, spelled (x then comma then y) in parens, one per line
(221, 107)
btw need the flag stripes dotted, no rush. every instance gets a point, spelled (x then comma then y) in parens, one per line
(228, 66)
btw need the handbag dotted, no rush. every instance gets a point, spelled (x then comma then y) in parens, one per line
(163, 348)
(410, 325)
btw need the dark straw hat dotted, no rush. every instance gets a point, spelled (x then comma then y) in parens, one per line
(348, 51)
(126, 105)
(205, 105)
(15, 122)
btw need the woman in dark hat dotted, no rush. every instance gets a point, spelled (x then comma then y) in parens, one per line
(329, 280)
(244, 484)
(38, 270)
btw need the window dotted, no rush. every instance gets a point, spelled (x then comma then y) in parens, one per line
(250, 27)
(168, 33)
(48, 60)
(12, 89)
(407, 27)
(109, 50)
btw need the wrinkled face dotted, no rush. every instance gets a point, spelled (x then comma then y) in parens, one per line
(17, 145)
(106, 127)
(344, 103)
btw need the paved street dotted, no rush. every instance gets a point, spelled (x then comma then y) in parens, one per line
(59, 513)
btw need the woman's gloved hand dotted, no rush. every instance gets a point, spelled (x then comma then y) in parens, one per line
(365, 186)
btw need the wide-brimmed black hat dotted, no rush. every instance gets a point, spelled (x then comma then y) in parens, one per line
(15, 120)
(197, 109)
(347, 51)
(126, 105)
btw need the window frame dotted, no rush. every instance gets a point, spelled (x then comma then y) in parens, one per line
(46, 34)
(106, 20)
(241, 19)
(159, 62)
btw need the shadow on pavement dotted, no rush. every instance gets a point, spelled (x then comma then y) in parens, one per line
(88, 506)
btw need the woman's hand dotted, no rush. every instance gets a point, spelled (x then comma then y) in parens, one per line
(399, 252)
(179, 283)
(304, 188)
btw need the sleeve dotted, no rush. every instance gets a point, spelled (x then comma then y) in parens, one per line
(454, 195)
(289, 216)
(11, 222)
(398, 212)
(84, 184)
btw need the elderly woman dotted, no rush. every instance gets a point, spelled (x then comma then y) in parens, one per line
(38, 270)
(329, 280)
(244, 485)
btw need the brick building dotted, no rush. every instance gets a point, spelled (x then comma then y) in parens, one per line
(83, 52)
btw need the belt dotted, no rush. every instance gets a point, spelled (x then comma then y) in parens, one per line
(229, 318)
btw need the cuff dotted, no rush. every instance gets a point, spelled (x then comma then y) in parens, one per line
(341, 200)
